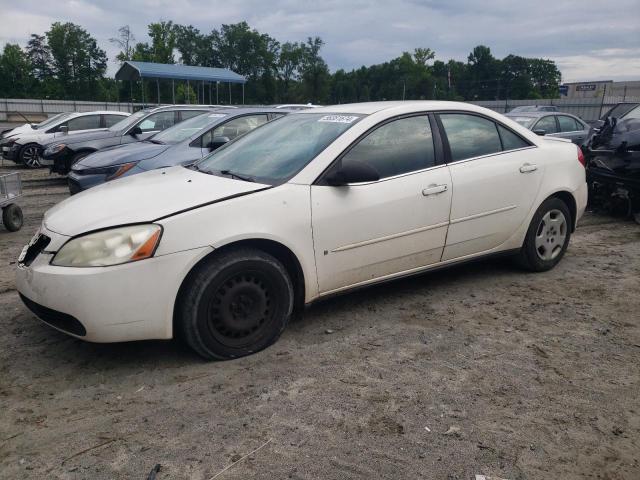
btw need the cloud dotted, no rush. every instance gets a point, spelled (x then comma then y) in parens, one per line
(587, 39)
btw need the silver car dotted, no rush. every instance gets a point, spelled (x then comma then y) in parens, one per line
(25, 145)
(553, 124)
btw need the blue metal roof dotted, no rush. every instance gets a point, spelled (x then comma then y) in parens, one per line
(131, 70)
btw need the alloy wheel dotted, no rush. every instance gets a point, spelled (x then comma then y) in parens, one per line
(31, 156)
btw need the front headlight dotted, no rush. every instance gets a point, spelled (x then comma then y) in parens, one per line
(53, 149)
(110, 247)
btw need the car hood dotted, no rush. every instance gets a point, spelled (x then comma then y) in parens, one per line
(131, 152)
(77, 137)
(145, 197)
(26, 128)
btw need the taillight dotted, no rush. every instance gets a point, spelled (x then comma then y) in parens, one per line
(581, 158)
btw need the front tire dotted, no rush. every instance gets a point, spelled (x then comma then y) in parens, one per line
(30, 155)
(12, 217)
(547, 237)
(235, 304)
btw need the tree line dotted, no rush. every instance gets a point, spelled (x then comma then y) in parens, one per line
(66, 63)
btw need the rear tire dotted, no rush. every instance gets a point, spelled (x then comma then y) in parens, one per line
(30, 155)
(12, 217)
(235, 304)
(547, 237)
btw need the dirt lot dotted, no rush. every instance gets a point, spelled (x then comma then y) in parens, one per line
(482, 369)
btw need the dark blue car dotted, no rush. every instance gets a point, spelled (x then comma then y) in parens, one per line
(181, 144)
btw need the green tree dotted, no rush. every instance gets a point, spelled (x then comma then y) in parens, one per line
(78, 63)
(315, 73)
(15, 72)
(163, 41)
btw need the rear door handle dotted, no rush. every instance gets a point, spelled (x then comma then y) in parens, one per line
(434, 189)
(528, 167)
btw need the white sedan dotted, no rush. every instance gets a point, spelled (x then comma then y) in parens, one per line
(315, 203)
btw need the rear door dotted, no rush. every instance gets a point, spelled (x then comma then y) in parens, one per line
(571, 129)
(495, 175)
(367, 231)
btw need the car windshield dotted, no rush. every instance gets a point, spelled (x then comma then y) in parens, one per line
(278, 150)
(126, 122)
(188, 128)
(620, 110)
(49, 121)
(524, 121)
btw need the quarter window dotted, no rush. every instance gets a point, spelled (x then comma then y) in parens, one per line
(401, 146)
(548, 124)
(470, 135)
(510, 141)
(86, 122)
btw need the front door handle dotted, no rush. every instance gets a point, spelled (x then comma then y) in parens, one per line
(434, 189)
(528, 167)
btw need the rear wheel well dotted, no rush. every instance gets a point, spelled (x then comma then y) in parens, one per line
(273, 248)
(570, 202)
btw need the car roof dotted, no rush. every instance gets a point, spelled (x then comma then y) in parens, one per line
(100, 112)
(537, 114)
(368, 108)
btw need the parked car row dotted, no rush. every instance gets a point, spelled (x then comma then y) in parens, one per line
(286, 210)
(26, 143)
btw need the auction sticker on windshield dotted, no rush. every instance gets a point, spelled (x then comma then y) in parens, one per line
(337, 119)
(217, 115)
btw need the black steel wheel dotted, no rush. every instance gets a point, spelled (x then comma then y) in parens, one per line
(236, 303)
(12, 217)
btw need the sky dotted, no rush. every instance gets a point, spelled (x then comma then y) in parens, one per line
(588, 40)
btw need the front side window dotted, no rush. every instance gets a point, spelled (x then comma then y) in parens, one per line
(187, 114)
(187, 129)
(111, 120)
(86, 122)
(400, 146)
(470, 135)
(234, 128)
(568, 124)
(548, 124)
(278, 150)
(157, 121)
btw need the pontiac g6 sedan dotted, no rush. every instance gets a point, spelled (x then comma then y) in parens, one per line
(318, 202)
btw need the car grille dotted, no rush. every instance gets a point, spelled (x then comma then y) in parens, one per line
(35, 249)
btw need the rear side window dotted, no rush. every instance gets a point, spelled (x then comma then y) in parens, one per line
(400, 146)
(470, 135)
(568, 124)
(84, 123)
(110, 120)
(548, 124)
(510, 141)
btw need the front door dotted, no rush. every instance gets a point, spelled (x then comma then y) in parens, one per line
(367, 231)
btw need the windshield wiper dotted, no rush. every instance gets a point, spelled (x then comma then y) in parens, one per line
(237, 175)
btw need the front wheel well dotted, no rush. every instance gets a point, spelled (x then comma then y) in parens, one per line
(273, 248)
(570, 202)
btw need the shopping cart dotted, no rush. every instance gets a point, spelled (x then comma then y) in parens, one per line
(10, 192)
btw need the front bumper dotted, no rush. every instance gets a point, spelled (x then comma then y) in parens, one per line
(127, 302)
(78, 183)
(9, 153)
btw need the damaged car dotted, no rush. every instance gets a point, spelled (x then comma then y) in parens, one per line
(613, 163)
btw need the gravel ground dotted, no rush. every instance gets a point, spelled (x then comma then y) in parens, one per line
(480, 369)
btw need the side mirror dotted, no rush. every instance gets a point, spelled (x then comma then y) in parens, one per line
(63, 129)
(135, 131)
(352, 172)
(217, 142)
(542, 133)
